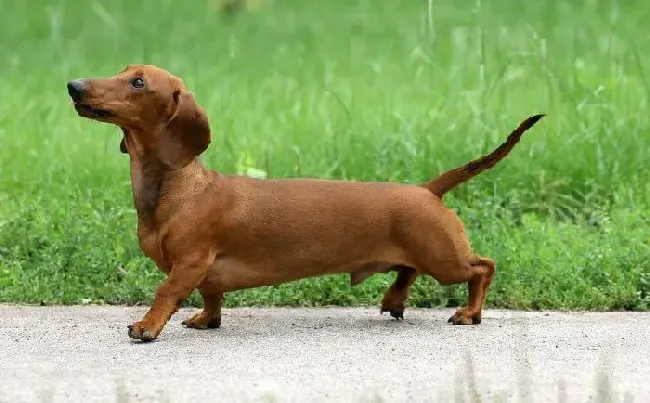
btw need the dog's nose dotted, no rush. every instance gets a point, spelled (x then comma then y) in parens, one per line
(76, 89)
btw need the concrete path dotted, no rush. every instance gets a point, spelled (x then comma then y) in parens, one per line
(83, 354)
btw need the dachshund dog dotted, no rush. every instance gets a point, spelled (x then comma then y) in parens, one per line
(219, 233)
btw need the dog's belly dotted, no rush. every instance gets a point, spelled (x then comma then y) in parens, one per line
(236, 274)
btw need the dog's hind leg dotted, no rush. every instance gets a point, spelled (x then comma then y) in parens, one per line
(479, 277)
(210, 316)
(397, 293)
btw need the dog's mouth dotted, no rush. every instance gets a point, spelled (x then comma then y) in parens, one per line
(88, 111)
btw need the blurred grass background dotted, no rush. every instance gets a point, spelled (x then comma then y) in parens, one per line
(367, 90)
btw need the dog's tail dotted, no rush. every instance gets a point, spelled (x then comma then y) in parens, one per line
(450, 179)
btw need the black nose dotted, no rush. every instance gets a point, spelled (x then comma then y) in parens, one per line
(76, 89)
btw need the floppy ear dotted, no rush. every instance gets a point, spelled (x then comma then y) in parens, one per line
(187, 133)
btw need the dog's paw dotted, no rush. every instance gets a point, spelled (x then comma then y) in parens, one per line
(462, 317)
(395, 314)
(140, 331)
(201, 320)
(396, 309)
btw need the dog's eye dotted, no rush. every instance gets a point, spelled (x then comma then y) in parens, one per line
(137, 83)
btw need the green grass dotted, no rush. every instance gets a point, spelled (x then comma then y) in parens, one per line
(366, 90)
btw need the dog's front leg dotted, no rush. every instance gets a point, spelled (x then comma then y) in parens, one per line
(210, 316)
(182, 280)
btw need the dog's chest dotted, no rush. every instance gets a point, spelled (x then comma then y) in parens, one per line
(150, 244)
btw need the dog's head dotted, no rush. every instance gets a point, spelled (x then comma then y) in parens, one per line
(152, 106)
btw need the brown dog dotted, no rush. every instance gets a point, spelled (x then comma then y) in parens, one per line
(220, 233)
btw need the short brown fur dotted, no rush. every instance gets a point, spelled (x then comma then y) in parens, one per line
(219, 233)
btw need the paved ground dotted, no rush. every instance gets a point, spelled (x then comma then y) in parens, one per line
(83, 354)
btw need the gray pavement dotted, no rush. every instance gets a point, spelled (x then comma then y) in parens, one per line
(83, 354)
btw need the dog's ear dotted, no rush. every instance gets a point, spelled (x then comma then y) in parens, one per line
(187, 133)
(123, 148)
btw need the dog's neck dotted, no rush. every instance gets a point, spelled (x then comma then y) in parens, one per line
(147, 176)
(151, 182)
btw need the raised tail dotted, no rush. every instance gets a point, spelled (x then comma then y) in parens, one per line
(450, 179)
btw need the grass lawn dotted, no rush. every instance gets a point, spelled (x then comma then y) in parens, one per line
(365, 90)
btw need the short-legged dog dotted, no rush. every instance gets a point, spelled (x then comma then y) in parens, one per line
(218, 233)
